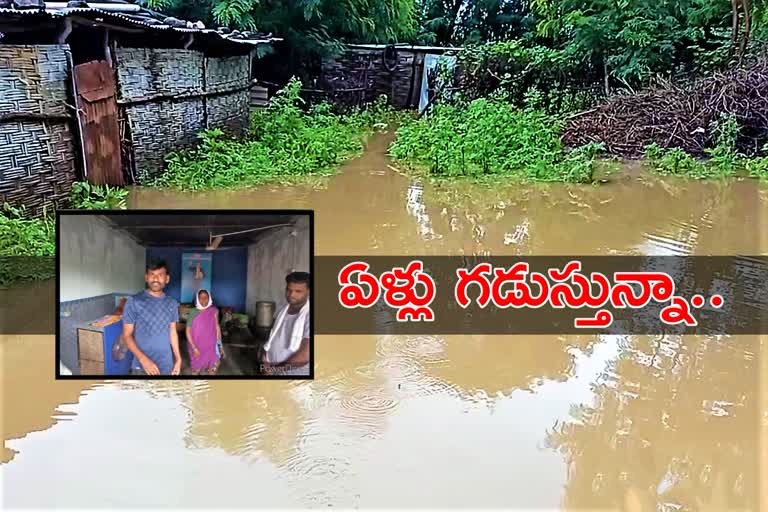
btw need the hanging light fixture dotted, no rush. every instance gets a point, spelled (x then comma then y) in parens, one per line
(213, 243)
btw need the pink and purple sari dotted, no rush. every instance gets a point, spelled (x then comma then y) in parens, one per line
(202, 325)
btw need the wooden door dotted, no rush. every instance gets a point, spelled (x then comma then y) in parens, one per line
(96, 95)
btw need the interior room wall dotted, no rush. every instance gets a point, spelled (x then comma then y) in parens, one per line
(97, 259)
(96, 262)
(228, 279)
(273, 257)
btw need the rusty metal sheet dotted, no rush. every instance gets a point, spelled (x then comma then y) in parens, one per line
(96, 93)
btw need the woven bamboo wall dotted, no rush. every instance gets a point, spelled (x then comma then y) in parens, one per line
(37, 156)
(160, 127)
(350, 69)
(145, 72)
(152, 84)
(226, 73)
(230, 111)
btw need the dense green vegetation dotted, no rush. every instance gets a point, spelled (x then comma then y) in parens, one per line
(27, 243)
(22, 241)
(619, 43)
(535, 61)
(21, 235)
(286, 144)
(491, 138)
(758, 167)
(96, 197)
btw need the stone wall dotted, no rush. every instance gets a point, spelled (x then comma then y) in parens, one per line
(37, 141)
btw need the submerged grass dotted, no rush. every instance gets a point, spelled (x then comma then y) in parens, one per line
(21, 235)
(27, 246)
(286, 144)
(487, 140)
(28, 243)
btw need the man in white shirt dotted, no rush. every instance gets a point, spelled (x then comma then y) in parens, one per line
(287, 351)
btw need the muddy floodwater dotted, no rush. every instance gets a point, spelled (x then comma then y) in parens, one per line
(518, 422)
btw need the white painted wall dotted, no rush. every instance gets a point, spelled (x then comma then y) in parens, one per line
(272, 258)
(97, 259)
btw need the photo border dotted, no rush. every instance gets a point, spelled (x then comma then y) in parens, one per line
(97, 212)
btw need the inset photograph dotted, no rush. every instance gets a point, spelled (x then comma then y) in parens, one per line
(184, 294)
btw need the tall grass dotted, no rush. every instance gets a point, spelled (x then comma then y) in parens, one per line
(491, 138)
(21, 235)
(28, 243)
(26, 246)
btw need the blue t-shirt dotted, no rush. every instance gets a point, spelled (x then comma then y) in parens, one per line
(152, 317)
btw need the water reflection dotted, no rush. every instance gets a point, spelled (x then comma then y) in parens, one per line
(642, 423)
(632, 216)
(32, 398)
(675, 420)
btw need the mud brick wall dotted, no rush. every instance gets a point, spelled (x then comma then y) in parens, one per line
(166, 99)
(37, 144)
(348, 69)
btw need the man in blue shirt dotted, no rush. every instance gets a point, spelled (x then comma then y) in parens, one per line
(149, 326)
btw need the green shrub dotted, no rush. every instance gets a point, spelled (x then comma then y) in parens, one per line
(21, 235)
(285, 143)
(97, 197)
(491, 137)
(758, 167)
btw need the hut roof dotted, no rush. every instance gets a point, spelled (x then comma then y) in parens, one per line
(122, 14)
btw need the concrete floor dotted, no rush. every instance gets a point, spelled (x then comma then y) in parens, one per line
(236, 361)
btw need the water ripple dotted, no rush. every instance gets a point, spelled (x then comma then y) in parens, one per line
(367, 409)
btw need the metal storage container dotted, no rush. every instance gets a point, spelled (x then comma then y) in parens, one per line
(265, 312)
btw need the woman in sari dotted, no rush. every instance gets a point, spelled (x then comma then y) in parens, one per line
(203, 335)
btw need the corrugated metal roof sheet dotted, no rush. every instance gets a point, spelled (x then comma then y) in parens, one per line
(406, 47)
(138, 20)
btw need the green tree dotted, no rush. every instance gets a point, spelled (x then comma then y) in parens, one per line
(457, 22)
(633, 40)
(317, 25)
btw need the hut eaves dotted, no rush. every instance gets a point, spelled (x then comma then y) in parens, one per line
(143, 19)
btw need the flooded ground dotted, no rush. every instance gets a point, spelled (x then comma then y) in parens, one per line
(572, 422)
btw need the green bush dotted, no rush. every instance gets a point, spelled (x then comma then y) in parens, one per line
(491, 137)
(758, 167)
(97, 197)
(21, 235)
(520, 68)
(285, 143)
(28, 244)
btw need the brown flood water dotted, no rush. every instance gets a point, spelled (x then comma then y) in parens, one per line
(559, 422)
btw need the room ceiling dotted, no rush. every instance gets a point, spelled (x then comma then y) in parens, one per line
(193, 229)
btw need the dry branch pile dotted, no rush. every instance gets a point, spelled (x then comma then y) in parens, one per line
(674, 116)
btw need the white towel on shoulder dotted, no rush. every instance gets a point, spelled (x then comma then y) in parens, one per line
(298, 328)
